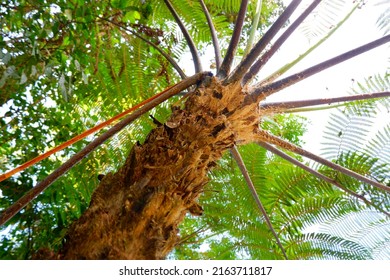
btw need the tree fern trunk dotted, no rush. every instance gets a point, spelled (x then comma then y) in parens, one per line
(135, 213)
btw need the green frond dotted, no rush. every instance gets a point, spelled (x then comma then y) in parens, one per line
(325, 17)
(345, 132)
(375, 83)
(230, 6)
(320, 246)
(368, 228)
(383, 21)
(370, 167)
(287, 126)
(379, 146)
(312, 211)
(289, 186)
(380, 251)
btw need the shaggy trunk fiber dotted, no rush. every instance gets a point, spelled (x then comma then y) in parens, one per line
(135, 213)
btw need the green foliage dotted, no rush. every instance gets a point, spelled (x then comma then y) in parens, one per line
(375, 83)
(327, 15)
(287, 126)
(345, 132)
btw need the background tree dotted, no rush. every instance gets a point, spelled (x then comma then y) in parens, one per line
(67, 66)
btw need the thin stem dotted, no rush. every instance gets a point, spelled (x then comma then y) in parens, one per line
(190, 42)
(196, 233)
(236, 155)
(319, 175)
(313, 109)
(264, 136)
(217, 51)
(161, 51)
(261, 92)
(244, 65)
(254, 26)
(286, 105)
(228, 60)
(40, 187)
(264, 58)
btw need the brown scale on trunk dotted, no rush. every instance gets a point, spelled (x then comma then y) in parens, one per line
(135, 213)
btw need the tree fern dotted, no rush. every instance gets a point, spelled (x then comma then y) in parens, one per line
(127, 44)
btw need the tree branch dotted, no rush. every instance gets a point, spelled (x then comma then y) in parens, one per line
(217, 51)
(190, 42)
(228, 60)
(264, 58)
(319, 175)
(161, 51)
(40, 187)
(261, 92)
(286, 105)
(264, 136)
(236, 155)
(244, 65)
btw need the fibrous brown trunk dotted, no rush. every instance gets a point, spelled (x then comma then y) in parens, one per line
(135, 213)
